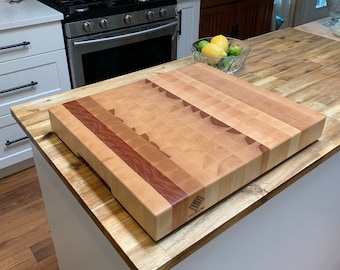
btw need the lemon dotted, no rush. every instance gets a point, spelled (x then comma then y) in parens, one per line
(212, 49)
(213, 53)
(201, 44)
(221, 41)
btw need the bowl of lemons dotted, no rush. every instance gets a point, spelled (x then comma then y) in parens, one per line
(224, 53)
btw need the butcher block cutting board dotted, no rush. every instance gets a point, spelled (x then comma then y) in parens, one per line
(173, 145)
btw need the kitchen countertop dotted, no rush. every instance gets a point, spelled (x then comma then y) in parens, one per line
(286, 62)
(316, 27)
(26, 13)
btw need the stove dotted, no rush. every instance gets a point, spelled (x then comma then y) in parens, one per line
(107, 38)
(75, 10)
(82, 17)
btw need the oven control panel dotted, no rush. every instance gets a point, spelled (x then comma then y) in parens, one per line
(115, 22)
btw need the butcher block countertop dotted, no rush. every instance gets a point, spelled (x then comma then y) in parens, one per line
(297, 65)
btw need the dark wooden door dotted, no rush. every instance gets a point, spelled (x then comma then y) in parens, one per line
(241, 19)
(217, 20)
(253, 18)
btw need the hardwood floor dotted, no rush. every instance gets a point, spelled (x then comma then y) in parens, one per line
(25, 238)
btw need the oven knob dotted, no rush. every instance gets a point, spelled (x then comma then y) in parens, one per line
(127, 19)
(104, 23)
(163, 12)
(88, 26)
(150, 14)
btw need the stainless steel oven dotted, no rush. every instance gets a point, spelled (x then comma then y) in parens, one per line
(107, 38)
(101, 56)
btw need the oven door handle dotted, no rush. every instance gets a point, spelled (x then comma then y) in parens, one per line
(120, 37)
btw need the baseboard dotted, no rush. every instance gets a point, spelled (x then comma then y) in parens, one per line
(22, 165)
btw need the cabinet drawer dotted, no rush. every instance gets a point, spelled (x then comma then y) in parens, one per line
(42, 38)
(32, 77)
(14, 146)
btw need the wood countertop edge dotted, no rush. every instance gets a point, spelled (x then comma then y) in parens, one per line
(180, 244)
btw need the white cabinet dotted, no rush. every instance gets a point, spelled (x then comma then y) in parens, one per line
(32, 64)
(189, 13)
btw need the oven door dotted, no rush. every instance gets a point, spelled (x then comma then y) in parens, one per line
(102, 56)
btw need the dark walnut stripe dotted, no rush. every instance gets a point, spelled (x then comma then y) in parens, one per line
(164, 186)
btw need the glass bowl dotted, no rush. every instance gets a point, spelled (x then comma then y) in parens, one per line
(229, 64)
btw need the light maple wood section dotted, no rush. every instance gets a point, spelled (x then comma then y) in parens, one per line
(173, 145)
(25, 237)
(286, 62)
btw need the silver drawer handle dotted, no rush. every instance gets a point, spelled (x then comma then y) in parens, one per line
(24, 43)
(32, 83)
(8, 143)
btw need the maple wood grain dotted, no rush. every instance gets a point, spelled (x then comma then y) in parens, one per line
(173, 145)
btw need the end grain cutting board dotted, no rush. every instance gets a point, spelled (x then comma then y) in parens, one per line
(177, 143)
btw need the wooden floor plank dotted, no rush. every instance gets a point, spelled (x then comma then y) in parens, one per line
(16, 180)
(21, 260)
(25, 237)
(50, 263)
(19, 197)
(43, 249)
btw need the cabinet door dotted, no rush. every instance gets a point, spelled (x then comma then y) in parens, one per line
(218, 20)
(242, 19)
(253, 18)
(188, 29)
(22, 80)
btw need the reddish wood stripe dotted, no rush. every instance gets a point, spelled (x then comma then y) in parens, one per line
(170, 191)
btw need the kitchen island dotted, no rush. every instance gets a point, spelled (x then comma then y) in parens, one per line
(286, 219)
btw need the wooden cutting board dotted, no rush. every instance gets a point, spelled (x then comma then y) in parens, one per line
(171, 146)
